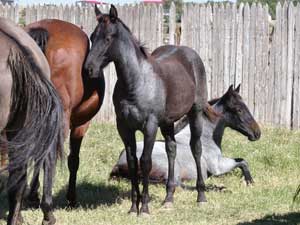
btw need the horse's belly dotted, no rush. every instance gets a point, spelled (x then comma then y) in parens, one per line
(180, 97)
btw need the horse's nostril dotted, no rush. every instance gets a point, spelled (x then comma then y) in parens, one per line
(257, 134)
(90, 70)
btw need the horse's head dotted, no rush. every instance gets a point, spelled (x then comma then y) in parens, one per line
(237, 115)
(103, 41)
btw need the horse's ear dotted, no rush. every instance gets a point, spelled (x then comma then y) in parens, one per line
(227, 93)
(113, 13)
(237, 90)
(230, 89)
(98, 13)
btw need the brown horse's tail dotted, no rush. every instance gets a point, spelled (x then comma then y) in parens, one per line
(40, 36)
(35, 127)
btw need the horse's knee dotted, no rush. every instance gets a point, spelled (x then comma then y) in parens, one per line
(146, 163)
(79, 132)
(171, 148)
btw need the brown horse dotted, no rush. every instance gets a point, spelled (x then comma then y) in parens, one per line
(66, 46)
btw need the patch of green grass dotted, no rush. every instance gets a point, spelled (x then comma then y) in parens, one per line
(274, 163)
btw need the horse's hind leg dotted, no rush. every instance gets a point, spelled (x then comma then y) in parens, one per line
(195, 120)
(128, 138)
(76, 137)
(16, 186)
(47, 203)
(168, 133)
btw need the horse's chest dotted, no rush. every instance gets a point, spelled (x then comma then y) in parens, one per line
(131, 113)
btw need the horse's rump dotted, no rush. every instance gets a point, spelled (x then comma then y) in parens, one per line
(34, 128)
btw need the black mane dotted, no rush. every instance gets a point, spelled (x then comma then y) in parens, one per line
(138, 43)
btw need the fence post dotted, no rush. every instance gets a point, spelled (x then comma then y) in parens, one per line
(172, 24)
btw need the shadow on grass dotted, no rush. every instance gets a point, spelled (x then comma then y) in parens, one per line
(285, 219)
(90, 196)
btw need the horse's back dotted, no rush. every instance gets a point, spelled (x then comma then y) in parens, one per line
(66, 49)
(184, 76)
(62, 33)
(67, 44)
(191, 60)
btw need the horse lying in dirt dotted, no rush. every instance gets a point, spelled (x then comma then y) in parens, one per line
(228, 111)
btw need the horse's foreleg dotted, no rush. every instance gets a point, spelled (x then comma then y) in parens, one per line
(243, 165)
(149, 132)
(168, 133)
(195, 119)
(16, 186)
(128, 137)
(76, 137)
(47, 202)
(224, 165)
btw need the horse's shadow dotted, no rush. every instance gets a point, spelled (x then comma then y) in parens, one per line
(89, 196)
(292, 218)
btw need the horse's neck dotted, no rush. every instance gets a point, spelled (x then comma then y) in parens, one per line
(220, 125)
(219, 132)
(131, 69)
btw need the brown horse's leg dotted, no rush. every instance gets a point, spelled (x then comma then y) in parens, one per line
(195, 119)
(168, 133)
(76, 137)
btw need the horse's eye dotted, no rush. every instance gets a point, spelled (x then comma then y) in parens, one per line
(107, 39)
(239, 111)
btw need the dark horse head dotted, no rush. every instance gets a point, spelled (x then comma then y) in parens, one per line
(104, 41)
(236, 114)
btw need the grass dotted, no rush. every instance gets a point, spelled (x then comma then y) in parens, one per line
(274, 162)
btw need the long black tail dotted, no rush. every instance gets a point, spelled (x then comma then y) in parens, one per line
(35, 126)
(40, 36)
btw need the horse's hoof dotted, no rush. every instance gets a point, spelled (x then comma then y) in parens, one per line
(200, 204)
(20, 220)
(49, 222)
(133, 214)
(144, 214)
(249, 182)
(168, 205)
(72, 205)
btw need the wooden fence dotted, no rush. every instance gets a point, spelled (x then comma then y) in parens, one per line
(10, 12)
(241, 45)
(237, 45)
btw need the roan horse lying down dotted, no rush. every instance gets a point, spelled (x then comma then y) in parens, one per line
(230, 111)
